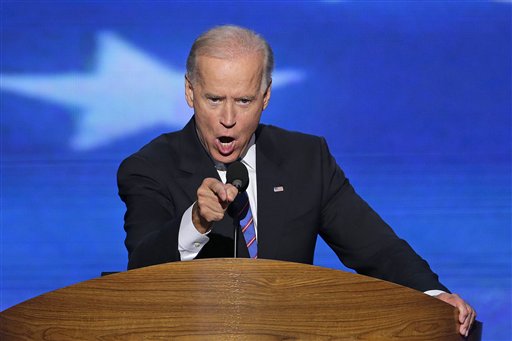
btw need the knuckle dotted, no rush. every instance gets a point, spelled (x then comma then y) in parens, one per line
(208, 180)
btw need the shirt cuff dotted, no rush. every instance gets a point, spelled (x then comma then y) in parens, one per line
(434, 292)
(190, 240)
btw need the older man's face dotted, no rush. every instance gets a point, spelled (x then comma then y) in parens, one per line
(228, 99)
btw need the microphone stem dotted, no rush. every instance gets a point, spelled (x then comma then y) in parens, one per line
(235, 246)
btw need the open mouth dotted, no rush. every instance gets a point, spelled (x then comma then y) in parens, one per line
(225, 140)
(226, 144)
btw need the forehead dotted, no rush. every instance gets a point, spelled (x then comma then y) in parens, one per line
(238, 74)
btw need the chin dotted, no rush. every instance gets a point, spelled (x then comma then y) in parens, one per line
(226, 159)
(229, 159)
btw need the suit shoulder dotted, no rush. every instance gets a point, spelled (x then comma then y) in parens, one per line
(287, 139)
(291, 136)
(158, 151)
(291, 148)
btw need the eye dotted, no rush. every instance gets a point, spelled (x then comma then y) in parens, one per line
(214, 100)
(244, 101)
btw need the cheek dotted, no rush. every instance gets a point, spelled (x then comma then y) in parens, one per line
(204, 125)
(253, 119)
(249, 124)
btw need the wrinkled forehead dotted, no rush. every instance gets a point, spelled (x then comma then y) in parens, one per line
(252, 61)
(239, 70)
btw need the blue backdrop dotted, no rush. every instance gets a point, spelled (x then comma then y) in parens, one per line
(414, 99)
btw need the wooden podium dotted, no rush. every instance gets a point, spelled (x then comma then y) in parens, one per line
(231, 299)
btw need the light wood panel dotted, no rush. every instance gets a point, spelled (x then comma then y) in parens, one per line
(228, 299)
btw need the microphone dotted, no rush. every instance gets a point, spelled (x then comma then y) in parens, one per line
(238, 176)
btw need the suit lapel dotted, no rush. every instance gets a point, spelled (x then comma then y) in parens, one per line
(271, 199)
(194, 164)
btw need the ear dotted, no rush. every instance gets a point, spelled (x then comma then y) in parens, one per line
(189, 92)
(266, 95)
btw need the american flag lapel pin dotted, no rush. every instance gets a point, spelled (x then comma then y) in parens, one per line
(278, 189)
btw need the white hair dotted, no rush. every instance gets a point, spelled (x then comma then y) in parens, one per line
(227, 42)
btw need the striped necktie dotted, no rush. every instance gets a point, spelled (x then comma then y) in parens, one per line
(244, 214)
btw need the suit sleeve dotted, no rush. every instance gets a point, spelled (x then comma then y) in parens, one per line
(151, 219)
(361, 239)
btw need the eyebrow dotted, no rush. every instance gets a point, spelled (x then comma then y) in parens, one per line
(250, 98)
(208, 95)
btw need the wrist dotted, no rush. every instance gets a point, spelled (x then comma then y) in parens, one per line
(201, 224)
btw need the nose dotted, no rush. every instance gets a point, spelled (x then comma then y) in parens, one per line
(228, 116)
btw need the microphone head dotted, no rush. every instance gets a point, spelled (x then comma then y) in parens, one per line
(238, 176)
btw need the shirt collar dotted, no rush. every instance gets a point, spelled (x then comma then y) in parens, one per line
(249, 158)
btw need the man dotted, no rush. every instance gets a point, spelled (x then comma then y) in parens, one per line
(176, 195)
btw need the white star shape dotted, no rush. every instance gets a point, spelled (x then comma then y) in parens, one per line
(127, 92)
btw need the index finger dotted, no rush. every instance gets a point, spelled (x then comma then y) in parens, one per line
(231, 192)
(219, 189)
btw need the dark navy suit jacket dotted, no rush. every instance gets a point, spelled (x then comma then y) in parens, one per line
(159, 183)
